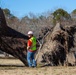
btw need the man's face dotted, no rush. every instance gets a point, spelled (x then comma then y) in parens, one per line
(29, 35)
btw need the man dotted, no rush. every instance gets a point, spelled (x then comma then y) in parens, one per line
(31, 49)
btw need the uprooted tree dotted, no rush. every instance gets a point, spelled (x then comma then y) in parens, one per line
(59, 46)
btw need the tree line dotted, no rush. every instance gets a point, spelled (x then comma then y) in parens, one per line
(38, 23)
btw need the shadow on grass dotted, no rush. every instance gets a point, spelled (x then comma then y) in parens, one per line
(43, 65)
(12, 66)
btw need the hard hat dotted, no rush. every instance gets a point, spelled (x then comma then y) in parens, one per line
(30, 32)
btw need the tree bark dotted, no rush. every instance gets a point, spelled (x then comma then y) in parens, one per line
(11, 41)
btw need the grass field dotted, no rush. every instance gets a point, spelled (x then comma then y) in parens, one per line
(16, 67)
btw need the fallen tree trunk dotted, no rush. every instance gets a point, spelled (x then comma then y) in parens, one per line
(11, 41)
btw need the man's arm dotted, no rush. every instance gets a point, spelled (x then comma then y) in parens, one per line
(29, 44)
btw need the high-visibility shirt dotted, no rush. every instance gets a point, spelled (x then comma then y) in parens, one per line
(32, 44)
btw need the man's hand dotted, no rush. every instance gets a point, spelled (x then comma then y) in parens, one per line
(28, 47)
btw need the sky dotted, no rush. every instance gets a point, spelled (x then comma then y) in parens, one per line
(21, 8)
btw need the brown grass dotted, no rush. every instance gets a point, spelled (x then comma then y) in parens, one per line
(16, 67)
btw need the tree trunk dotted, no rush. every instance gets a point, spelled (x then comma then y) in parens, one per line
(11, 41)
